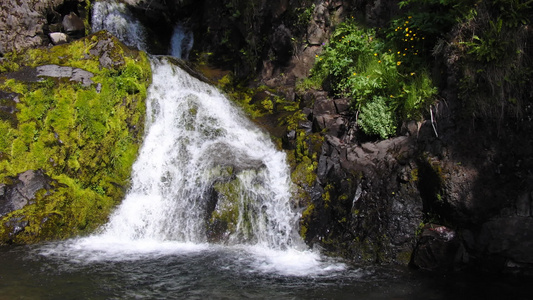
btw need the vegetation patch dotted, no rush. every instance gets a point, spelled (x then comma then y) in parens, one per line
(383, 79)
(85, 137)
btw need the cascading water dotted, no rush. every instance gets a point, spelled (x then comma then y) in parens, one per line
(202, 162)
(181, 42)
(114, 17)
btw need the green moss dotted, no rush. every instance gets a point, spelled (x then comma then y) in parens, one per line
(306, 219)
(227, 210)
(326, 196)
(414, 175)
(404, 257)
(86, 138)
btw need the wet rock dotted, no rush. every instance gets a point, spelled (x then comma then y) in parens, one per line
(22, 191)
(16, 225)
(437, 248)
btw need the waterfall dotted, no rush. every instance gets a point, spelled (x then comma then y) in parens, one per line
(114, 17)
(207, 183)
(204, 167)
(181, 42)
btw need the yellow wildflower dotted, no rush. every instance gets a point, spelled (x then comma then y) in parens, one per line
(398, 63)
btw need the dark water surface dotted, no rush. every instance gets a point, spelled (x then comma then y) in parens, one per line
(43, 272)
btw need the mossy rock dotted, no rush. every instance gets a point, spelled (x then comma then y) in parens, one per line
(84, 136)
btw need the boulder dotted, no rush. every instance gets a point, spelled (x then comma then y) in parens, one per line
(58, 38)
(73, 24)
(342, 105)
(438, 248)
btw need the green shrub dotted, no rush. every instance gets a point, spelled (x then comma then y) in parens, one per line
(377, 118)
(377, 77)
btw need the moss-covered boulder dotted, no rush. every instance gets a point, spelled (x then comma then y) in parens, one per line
(74, 112)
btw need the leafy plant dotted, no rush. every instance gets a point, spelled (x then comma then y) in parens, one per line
(377, 77)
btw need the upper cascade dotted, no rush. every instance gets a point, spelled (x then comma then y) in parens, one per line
(114, 17)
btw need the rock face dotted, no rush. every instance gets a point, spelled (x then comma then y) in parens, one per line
(371, 200)
(27, 23)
